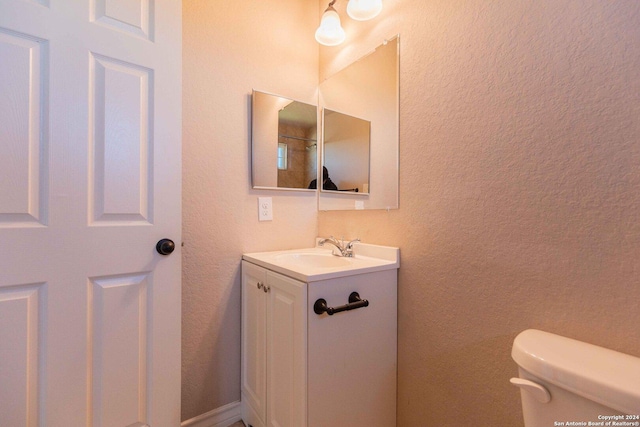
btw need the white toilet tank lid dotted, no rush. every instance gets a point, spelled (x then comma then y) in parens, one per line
(596, 373)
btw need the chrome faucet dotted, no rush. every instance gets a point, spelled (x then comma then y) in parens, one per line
(345, 250)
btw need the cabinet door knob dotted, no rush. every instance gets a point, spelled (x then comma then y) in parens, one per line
(259, 285)
(266, 288)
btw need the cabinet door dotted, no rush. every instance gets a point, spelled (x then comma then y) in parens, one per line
(254, 344)
(286, 351)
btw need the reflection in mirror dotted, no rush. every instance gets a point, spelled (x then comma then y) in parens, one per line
(283, 142)
(345, 152)
(367, 89)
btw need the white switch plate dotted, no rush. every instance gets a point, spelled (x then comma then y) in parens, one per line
(265, 209)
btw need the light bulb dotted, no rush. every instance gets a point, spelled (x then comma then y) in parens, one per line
(330, 32)
(362, 10)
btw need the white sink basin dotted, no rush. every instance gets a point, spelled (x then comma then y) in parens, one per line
(314, 260)
(318, 263)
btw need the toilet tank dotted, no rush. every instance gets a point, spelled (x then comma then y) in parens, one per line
(565, 382)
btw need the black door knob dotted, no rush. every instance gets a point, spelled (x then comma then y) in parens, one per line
(165, 246)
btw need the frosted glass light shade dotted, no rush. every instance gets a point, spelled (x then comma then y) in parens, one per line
(363, 10)
(330, 32)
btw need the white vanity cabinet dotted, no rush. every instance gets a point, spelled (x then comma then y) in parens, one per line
(303, 369)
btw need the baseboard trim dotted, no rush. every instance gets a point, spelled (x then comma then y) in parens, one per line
(223, 416)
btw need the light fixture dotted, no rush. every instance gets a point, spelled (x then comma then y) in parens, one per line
(331, 33)
(363, 10)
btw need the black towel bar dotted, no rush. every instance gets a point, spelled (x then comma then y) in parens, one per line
(355, 301)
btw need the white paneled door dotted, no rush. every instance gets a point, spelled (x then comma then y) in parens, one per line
(90, 129)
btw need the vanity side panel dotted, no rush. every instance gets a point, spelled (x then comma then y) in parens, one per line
(352, 355)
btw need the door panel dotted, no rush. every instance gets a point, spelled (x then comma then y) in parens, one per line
(21, 353)
(119, 321)
(132, 16)
(120, 172)
(23, 171)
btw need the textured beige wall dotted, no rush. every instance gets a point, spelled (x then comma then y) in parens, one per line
(519, 194)
(231, 47)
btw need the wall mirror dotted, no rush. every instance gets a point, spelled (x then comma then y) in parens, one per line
(283, 142)
(345, 152)
(368, 89)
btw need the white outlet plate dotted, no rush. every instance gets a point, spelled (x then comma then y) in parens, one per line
(265, 209)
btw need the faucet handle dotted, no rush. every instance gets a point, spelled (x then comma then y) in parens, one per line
(348, 249)
(350, 244)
